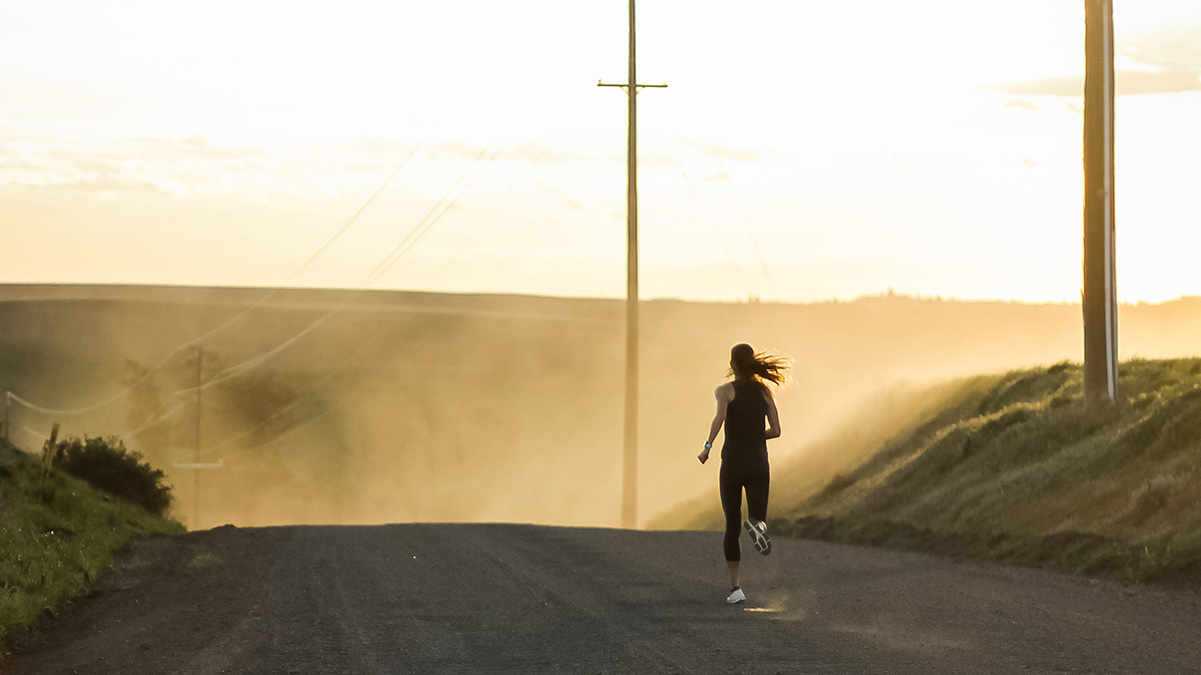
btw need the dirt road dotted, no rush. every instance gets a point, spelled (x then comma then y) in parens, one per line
(525, 599)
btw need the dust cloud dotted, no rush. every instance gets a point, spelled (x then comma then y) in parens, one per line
(403, 407)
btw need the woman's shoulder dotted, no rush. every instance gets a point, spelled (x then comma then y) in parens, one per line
(724, 390)
(757, 386)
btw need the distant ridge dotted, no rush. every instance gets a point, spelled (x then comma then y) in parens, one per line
(247, 294)
(521, 392)
(223, 294)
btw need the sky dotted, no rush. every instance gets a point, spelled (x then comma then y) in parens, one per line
(803, 150)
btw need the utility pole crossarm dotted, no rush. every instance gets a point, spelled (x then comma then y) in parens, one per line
(627, 87)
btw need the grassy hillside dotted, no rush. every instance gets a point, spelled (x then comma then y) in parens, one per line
(1015, 468)
(56, 536)
(867, 426)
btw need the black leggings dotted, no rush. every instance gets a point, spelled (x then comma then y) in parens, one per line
(755, 476)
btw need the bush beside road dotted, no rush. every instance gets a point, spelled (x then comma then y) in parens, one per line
(58, 535)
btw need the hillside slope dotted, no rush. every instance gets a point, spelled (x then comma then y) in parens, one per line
(1015, 468)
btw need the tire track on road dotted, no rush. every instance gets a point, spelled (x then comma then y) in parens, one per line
(430, 598)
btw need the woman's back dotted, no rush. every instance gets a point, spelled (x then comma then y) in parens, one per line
(745, 415)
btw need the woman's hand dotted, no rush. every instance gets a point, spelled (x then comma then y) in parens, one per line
(704, 456)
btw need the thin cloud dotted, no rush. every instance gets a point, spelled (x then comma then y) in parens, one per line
(725, 152)
(51, 171)
(1174, 50)
(176, 167)
(454, 149)
(541, 153)
(1164, 61)
(568, 200)
(655, 159)
(108, 184)
(384, 146)
(1126, 83)
(191, 147)
(1021, 105)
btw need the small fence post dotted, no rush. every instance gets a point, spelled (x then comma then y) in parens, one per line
(48, 451)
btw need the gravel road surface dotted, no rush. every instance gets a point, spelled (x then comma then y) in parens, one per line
(529, 599)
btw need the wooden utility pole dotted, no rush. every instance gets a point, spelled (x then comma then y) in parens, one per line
(195, 466)
(629, 481)
(1099, 299)
(196, 451)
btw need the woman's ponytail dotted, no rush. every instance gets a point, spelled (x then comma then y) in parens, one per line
(744, 362)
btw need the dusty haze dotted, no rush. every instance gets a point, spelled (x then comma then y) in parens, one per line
(428, 407)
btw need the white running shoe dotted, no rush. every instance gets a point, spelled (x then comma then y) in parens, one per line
(736, 595)
(758, 532)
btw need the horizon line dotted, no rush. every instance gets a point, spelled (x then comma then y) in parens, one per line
(885, 294)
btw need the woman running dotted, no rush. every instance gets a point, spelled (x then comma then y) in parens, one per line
(742, 405)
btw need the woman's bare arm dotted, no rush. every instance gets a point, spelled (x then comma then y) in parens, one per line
(723, 401)
(773, 416)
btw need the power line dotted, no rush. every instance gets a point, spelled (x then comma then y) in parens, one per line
(479, 227)
(713, 227)
(394, 256)
(449, 199)
(355, 217)
(429, 329)
(771, 280)
(426, 224)
(194, 341)
(542, 222)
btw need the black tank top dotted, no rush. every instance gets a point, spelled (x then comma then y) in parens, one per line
(745, 417)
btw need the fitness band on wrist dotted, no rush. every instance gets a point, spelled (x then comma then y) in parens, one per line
(708, 445)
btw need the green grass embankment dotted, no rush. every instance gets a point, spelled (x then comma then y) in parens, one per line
(1019, 470)
(1012, 468)
(56, 537)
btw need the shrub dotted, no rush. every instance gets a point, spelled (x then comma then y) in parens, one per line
(109, 467)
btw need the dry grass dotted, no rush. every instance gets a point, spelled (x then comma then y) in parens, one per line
(1015, 468)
